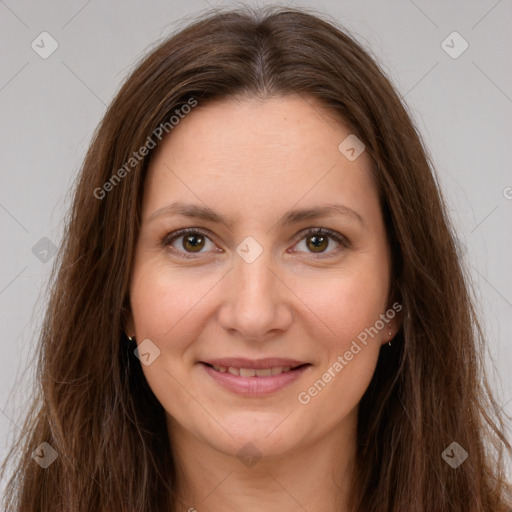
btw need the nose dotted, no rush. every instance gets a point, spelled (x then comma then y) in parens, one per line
(256, 302)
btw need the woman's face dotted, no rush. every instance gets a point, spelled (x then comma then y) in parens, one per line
(248, 287)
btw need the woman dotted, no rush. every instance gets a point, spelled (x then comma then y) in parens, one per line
(259, 303)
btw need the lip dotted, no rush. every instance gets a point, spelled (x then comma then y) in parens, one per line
(255, 386)
(241, 362)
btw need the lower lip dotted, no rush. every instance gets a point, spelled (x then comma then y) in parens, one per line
(254, 386)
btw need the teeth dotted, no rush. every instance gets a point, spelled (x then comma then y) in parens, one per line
(253, 372)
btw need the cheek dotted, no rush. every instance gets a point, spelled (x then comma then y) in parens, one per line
(344, 305)
(166, 307)
(167, 301)
(350, 303)
(351, 307)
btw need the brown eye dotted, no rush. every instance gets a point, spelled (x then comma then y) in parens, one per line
(320, 241)
(317, 243)
(193, 242)
(188, 242)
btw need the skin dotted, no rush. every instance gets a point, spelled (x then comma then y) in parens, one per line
(252, 161)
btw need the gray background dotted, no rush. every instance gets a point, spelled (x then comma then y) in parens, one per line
(50, 107)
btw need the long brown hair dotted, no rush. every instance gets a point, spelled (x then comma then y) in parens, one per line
(93, 405)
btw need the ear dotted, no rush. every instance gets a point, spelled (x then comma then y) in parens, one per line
(395, 315)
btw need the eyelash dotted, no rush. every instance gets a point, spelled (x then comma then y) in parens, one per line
(337, 237)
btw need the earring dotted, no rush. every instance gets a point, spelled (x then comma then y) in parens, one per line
(390, 333)
(131, 338)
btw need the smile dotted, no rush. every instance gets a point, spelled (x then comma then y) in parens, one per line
(253, 372)
(253, 381)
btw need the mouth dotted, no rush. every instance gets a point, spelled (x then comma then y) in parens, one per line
(255, 372)
(254, 378)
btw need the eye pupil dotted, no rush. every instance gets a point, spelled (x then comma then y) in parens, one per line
(196, 241)
(318, 242)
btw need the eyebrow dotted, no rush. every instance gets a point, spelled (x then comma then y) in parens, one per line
(292, 217)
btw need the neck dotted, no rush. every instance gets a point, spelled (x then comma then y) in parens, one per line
(315, 477)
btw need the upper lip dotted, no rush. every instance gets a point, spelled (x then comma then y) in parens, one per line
(241, 362)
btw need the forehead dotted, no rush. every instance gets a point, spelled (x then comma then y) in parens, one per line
(253, 154)
(290, 127)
